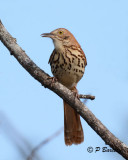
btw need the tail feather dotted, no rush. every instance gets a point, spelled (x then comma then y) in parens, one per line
(73, 131)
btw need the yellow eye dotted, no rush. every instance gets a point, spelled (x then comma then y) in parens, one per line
(61, 32)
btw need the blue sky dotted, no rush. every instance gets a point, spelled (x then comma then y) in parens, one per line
(101, 28)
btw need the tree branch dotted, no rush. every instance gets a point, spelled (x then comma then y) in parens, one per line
(61, 91)
(32, 154)
(20, 142)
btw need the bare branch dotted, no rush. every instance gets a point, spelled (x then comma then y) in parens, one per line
(17, 139)
(43, 143)
(61, 91)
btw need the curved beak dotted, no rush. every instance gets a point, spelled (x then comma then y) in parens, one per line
(50, 35)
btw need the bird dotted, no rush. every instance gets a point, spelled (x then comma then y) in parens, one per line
(68, 63)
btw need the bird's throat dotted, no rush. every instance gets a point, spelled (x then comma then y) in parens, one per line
(58, 45)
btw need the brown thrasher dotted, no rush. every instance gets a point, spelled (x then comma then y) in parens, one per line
(68, 63)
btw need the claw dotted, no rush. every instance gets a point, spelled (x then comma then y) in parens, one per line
(74, 90)
(54, 79)
(76, 95)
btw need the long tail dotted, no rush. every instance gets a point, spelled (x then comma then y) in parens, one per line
(73, 131)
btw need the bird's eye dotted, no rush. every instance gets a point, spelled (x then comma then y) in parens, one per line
(60, 32)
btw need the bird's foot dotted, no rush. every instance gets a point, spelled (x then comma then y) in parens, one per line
(53, 80)
(76, 93)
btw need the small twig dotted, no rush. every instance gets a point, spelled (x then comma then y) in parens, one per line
(33, 152)
(87, 96)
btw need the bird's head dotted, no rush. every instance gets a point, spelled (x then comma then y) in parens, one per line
(61, 37)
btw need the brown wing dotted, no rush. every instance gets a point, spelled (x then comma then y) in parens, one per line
(52, 57)
(82, 53)
(85, 60)
(83, 56)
